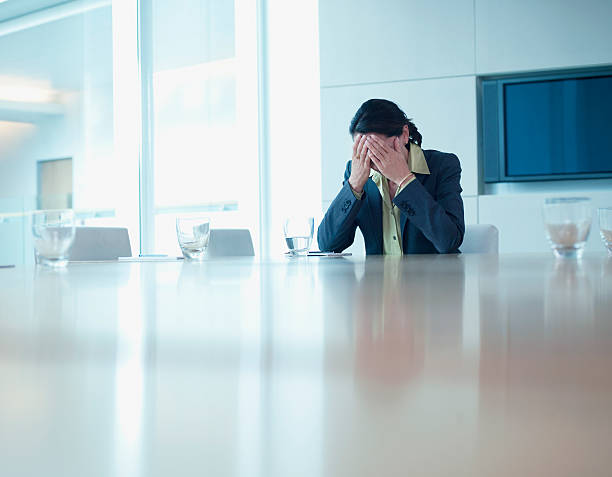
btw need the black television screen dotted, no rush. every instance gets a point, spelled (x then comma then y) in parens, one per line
(547, 128)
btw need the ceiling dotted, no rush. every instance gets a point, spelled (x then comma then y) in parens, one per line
(16, 8)
(59, 55)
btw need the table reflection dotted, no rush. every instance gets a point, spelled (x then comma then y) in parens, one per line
(456, 365)
(544, 367)
(397, 323)
(603, 301)
(387, 327)
(569, 293)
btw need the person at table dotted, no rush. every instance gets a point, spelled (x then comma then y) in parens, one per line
(404, 199)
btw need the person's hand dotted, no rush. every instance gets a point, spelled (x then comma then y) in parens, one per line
(360, 167)
(391, 162)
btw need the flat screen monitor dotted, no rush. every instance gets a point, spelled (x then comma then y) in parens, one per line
(547, 128)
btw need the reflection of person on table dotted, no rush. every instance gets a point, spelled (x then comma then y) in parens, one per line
(405, 200)
(388, 329)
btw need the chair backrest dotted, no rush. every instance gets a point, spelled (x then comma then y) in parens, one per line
(480, 238)
(230, 243)
(100, 243)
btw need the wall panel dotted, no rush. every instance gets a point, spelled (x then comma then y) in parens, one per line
(364, 41)
(521, 35)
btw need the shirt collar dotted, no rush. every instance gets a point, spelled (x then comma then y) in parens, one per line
(416, 162)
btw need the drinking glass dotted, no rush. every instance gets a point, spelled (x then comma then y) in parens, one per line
(298, 234)
(567, 221)
(605, 227)
(53, 232)
(193, 234)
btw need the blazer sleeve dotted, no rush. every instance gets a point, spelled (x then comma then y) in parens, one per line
(440, 220)
(337, 229)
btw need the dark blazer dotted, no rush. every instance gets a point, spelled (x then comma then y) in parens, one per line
(431, 212)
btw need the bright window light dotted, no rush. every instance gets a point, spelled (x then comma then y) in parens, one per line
(205, 117)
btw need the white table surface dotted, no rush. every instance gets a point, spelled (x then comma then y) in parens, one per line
(428, 366)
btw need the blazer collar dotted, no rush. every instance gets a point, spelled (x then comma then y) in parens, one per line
(375, 205)
(417, 161)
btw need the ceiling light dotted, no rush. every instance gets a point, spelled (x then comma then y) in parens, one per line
(26, 90)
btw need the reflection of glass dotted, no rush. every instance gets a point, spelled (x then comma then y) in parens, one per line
(605, 227)
(567, 222)
(298, 234)
(53, 232)
(569, 293)
(603, 301)
(193, 234)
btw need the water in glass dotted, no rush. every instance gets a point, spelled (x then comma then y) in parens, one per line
(298, 234)
(193, 234)
(53, 232)
(298, 244)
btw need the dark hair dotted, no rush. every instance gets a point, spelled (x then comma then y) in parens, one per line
(383, 117)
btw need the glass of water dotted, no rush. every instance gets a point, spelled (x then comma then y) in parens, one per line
(193, 234)
(568, 222)
(605, 227)
(53, 232)
(298, 234)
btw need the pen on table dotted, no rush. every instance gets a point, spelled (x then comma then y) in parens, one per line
(7, 266)
(149, 255)
(156, 255)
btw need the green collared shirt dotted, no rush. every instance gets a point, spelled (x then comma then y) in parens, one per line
(391, 214)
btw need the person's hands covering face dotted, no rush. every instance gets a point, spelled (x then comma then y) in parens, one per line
(360, 167)
(390, 161)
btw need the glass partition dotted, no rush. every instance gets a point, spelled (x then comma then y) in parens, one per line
(57, 121)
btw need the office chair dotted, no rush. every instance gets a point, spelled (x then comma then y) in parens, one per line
(480, 238)
(230, 243)
(100, 243)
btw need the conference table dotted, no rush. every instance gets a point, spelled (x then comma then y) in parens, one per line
(462, 365)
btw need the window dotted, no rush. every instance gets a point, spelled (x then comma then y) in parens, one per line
(205, 134)
(164, 109)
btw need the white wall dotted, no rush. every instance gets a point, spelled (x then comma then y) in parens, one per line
(522, 35)
(426, 57)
